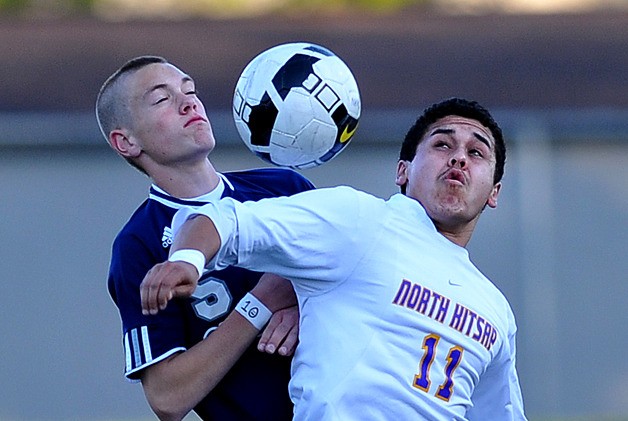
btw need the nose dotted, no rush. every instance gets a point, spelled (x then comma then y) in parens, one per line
(459, 160)
(188, 103)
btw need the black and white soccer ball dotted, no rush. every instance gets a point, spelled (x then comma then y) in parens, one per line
(296, 105)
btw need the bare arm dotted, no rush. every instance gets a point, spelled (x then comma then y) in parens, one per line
(174, 386)
(168, 280)
(179, 279)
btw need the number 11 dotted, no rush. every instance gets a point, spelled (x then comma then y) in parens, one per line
(422, 379)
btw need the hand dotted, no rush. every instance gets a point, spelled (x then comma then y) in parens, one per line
(166, 281)
(281, 333)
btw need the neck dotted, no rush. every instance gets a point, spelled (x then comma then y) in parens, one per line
(458, 238)
(459, 234)
(186, 182)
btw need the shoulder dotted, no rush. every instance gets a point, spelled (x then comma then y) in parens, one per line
(341, 201)
(346, 194)
(268, 182)
(267, 175)
(342, 197)
(340, 205)
(149, 224)
(146, 237)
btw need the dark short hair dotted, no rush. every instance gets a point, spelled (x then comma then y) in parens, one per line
(112, 108)
(455, 107)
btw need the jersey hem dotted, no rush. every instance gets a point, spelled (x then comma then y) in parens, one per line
(131, 374)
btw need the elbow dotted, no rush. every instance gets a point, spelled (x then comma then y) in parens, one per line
(169, 388)
(166, 415)
(166, 406)
(166, 411)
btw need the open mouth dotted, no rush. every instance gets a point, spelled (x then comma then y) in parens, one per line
(455, 175)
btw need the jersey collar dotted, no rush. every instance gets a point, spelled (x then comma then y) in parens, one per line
(223, 188)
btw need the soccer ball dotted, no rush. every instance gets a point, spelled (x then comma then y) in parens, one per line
(296, 105)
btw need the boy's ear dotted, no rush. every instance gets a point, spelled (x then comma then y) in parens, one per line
(124, 144)
(402, 173)
(492, 199)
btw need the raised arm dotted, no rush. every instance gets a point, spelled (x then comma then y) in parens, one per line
(179, 278)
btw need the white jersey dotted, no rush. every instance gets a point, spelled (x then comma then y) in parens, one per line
(396, 322)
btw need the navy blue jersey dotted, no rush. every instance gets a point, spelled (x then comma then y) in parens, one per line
(256, 388)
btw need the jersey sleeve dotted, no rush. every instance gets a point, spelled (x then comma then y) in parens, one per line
(312, 238)
(498, 394)
(147, 339)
